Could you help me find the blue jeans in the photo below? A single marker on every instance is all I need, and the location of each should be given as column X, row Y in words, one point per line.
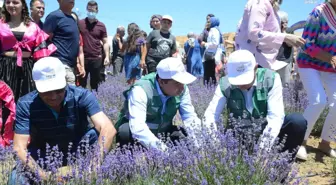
column 17, row 178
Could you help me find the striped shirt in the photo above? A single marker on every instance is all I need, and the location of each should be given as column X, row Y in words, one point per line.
column 320, row 34
column 35, row 118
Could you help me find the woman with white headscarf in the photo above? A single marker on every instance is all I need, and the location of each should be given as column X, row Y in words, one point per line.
column 213, row 51
column 259, row 32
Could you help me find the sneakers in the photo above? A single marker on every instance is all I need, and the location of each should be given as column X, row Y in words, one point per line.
column 109, row 73
column 302, row 153
column 328, row 151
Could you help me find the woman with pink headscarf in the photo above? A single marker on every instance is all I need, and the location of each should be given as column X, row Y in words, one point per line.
column 259, row 32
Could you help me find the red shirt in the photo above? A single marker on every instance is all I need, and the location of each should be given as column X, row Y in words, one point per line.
column 7, row 97
column 93, row 34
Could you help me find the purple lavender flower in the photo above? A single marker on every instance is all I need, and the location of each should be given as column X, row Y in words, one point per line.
column 230, row 156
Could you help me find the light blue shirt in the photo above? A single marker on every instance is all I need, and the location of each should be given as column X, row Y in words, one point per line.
column 137, row 105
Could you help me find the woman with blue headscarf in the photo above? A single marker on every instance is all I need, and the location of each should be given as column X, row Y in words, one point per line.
column 213, row 51
column 192, row 49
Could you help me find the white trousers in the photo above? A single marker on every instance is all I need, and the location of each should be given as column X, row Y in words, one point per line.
column 285, row 74
column 321, row 90
column 70, row 75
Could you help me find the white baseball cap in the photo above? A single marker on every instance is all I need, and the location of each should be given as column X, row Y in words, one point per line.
column 167, row 17
column 49, row 74
column 173, row 68
column 241, row 67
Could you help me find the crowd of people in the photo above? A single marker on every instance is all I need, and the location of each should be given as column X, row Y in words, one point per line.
column 44, row 69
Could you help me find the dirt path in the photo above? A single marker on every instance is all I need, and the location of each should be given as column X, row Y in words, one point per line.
column 317, row 163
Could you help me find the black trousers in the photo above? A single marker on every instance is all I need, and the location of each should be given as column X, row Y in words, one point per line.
column 117, row 64
column 209, row 72
column 94, row 68
column 294, row 129
column 151, row 63
column 124, row 135
column 5, row 114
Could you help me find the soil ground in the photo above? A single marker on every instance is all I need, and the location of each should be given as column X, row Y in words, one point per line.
column 318, row 167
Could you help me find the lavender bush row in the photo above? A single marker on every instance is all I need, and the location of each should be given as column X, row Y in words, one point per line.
column 218, row 159
column 223, row 160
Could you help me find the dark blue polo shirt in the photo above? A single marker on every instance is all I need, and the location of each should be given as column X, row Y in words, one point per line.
column 35, row 118
column 65, row 36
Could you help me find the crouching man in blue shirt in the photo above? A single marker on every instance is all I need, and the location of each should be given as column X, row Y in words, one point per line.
column 56, row 114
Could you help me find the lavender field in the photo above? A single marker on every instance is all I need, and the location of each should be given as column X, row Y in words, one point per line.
column 220, row 159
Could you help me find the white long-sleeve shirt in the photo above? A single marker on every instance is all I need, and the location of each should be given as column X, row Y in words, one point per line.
column 213, row 43
column 275, row 108
column 137, row 105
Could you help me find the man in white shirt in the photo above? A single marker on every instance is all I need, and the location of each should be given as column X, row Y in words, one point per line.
column 151, row 104
column 251, row 92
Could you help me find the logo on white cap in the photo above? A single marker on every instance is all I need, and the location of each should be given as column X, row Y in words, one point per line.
column 50, row 76
column 241, row 68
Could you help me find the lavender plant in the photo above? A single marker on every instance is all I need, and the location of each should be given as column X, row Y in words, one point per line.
column 334, row 170
column 225, row 157
column 7, row 162
column 221, row 158
column 296, row 100
column 110, row 95
column 201, row 96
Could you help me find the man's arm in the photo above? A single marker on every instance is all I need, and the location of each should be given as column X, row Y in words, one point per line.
column 21, row 137
column 174, row 48
column 189, row 116
column 215, row 108
column 143, row 54
column 50, row 25
column 80, row 59
column 20, row 147
column 186, row 109
column 107, row 51
column 137, row 106
column 119, row 41
column 106, row 46
column 275, row 114
column 106, row 131
column 100, row 121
